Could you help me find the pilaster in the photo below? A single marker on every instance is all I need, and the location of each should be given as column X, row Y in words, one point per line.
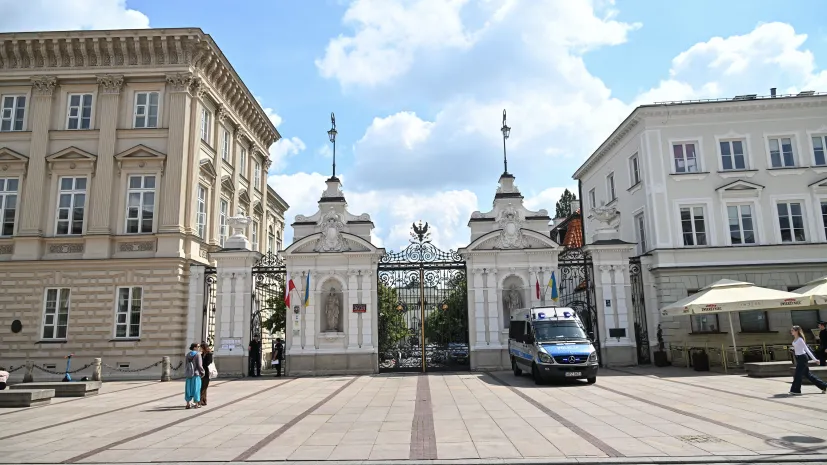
column 477, row 306
column 368, row 293
column 193, row 173
column 352, row 318
column 174, row 198
column 195, row 304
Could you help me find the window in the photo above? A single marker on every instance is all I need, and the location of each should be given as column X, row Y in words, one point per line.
column 146, row 109
column 56, row 313
column 128, row 313
column 201, row 212
column 693, row 226
column 732, row 155
column 242, row 162
column 206, row 116
column 741, row 229
column 634, row 170
column 807, row 319
column 592, row 199
column 781, row 152
column 754, row 321
column 255, row 235
column 517, row 330
column 703, row 323
column 225, row 146
column 686, row 160
column 278, row 240
column 257, row 175
column 271, row 239
column 791, row 222
column 71, row 204
column 140, row 207
column 79, row 111
column 8, row 205
column 13, row 112
column 640, row 226
column 819, row 144
column 824, row 217
column 223, row 208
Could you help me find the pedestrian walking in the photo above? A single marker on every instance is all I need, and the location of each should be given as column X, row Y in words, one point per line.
column 822, row 343
column 4, row 377
column 254, row 349
column 206, row 361
column 278, row 355
column 803, row 355
column 193, row 372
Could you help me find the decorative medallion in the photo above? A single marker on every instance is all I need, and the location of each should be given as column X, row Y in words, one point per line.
column 6, row 249
column 136, row 246
column 331, row 226
column 65, row 248
column 511, row 235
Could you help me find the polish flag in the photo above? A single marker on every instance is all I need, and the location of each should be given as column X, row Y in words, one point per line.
column 290, row 288
column 538, row 288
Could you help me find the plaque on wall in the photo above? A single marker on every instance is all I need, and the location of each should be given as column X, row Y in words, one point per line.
column 360, row 308
column 617, row 332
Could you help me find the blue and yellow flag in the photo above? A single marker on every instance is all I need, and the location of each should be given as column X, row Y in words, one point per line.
column 552, row 283
column 307, row 291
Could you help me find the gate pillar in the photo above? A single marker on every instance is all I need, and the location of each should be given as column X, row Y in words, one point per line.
column 195, row 303
column 613, row 292
column 233, row 301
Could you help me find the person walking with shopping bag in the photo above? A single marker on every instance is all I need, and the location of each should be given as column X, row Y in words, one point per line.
column 193, row 372
column 803, row 356
column 209, row 370
column 278, row 356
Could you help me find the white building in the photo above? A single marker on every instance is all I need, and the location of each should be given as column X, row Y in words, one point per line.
column 731, row 188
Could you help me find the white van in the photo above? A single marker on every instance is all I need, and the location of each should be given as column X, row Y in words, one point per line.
column 551, row 342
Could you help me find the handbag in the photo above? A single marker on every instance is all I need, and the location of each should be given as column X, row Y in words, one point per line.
column 213, row 371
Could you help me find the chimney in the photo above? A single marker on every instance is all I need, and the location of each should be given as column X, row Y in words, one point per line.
column 772, row 92
column 575, row 205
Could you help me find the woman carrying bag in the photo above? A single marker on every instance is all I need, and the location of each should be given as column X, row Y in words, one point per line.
column 193, row 372
column 209, row 371
column 803, row 355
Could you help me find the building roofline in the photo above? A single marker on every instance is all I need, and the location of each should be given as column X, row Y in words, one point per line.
column 278, row 198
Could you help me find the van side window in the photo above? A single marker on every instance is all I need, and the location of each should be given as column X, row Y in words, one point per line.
column 517, row 330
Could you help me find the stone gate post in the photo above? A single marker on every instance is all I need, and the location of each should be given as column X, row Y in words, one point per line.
column 234, row 299
column 195, row 304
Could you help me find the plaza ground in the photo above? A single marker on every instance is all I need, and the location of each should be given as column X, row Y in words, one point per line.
column 631, row 416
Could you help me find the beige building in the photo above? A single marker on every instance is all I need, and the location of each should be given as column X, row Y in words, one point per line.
column 122, row 154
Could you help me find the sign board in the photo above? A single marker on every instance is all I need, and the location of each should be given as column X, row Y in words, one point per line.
column 617, row 332
column 608, row 303
column 230, row 343
column 360, row 308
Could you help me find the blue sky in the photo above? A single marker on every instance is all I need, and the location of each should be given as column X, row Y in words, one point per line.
column 418, row 86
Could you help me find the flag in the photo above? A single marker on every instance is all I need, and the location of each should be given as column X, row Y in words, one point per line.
column 537, row 286
column 290, row 288
column 307, row 291
column 552, row 283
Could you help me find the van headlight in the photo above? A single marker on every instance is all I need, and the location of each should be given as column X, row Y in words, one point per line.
column 593, row 356
column 544, row 357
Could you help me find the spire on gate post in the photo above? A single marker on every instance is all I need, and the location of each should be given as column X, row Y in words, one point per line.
column 506, row 133
column 331, row 134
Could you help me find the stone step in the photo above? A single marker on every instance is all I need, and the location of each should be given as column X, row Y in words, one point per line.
column 768, row 369
column 64, row 389
column 16, row 398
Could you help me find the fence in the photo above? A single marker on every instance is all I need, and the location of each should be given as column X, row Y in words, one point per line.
column 97, row 370
column 724, row 356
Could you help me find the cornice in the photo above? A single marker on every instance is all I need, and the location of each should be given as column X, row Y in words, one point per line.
column 114, row 51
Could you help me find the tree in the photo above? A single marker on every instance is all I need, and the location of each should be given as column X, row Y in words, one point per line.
column 448, row 321
column 393, row 328
column 274, row 310
column 564, row 204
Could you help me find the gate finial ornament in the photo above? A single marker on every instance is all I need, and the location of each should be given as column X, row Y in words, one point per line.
column 420, row 233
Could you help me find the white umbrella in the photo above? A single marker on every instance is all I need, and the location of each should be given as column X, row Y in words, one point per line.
column 816, row 289
column 727, row 296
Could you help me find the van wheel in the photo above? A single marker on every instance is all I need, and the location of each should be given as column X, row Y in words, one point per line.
column 591, row 380
column 517, row 370
column 535, row 373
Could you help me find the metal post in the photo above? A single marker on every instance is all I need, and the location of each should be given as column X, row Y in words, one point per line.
column 165, row 369
column 96, row 370
column 422, row 312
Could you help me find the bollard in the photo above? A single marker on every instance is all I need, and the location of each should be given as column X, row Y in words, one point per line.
column 29, row 376
column 96, row 370
column 165, row 369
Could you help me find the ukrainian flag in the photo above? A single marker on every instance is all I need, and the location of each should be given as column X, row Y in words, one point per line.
column 552, row 283
column 307, row 291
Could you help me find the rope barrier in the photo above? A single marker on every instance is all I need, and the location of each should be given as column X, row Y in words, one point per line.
column 12, row 370
column 45, row 370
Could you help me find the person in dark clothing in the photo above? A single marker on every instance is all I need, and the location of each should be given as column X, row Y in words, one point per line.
column 278, row 355
column 206, row 357
column 255, row 357
column 822, row 343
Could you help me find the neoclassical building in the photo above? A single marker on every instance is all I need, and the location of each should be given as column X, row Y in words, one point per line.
column 122, row 154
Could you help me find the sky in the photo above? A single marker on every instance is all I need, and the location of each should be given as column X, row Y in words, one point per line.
column 418, row 86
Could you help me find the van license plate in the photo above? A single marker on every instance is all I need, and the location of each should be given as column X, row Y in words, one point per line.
column 573, row 374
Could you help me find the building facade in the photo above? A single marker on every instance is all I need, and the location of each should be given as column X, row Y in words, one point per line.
column 733, row 188
column 122, row 155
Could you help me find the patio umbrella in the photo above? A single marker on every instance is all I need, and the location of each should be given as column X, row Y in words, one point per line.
column 816, row 289
column 727, row 296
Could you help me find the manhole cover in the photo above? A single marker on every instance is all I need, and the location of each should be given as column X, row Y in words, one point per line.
column 699, row 439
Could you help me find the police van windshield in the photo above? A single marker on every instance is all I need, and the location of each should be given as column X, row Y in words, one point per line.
column 557, row 331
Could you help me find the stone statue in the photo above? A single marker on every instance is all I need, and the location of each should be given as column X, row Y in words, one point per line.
column 513, row 300
column 332, row 311
column 607, row 216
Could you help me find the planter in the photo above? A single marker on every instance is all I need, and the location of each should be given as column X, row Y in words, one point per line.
column 661, row 359
column 700, row 361
column 753, row 357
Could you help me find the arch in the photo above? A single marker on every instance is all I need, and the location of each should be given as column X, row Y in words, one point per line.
column 528, row 233
column 324, row 278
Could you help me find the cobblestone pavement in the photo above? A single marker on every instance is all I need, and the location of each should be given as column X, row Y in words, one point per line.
column 630, row 416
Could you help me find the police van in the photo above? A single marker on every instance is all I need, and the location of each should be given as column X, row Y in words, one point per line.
column 551, row 342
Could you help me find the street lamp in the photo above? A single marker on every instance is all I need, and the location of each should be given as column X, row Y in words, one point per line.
column 506, row 132
column 331, row 134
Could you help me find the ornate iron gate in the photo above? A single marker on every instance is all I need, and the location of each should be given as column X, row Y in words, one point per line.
column 208, row 317
column 268, row 308
column 423, row 308
column 576, row 289
column 644, row 355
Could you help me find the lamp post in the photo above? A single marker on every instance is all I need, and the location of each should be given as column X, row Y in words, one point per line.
column 506, row 132
column 331, row 134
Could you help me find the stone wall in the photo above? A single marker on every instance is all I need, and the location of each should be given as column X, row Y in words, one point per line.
column 91, row 319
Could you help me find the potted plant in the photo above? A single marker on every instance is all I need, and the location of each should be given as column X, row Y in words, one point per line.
column 661, row 359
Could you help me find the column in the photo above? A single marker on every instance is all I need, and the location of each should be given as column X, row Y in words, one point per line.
column 621, row 280
column 495, row 323
column 194, row 171
column 173, row 196
column 195, row 304
column 352, row 318
column 233, row 308
column 101, row 200
column 368, row 291
column 477, row 308
column 40, row 109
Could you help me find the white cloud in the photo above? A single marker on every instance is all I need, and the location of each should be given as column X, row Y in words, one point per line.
column 548, row 198
column 283, row 149
column 62, row 15
column 325, row 151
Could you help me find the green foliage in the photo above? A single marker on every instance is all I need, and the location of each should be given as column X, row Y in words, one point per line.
column 274, row 311
column 392, row 326
column 448, row 323
column 564, row 204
